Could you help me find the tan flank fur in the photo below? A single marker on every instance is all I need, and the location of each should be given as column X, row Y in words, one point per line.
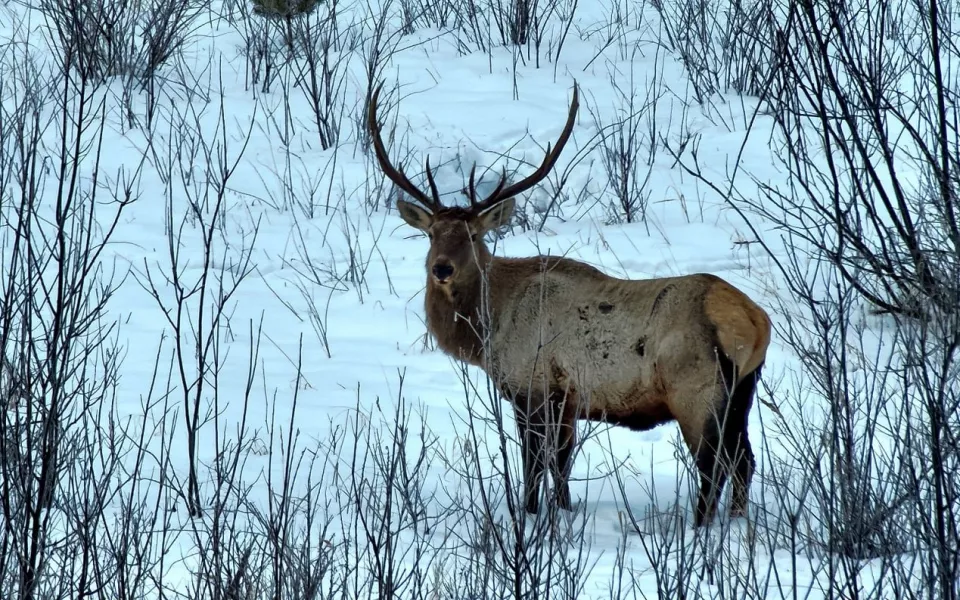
column 564, row 341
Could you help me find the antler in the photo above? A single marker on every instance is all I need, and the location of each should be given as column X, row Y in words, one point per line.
column 393, row 174
column 503, row 191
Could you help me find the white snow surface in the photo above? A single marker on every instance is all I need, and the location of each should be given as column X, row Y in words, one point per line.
column 306, row 223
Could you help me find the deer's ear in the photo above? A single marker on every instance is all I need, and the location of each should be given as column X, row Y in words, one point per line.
column 496, row 216
column 414, row 215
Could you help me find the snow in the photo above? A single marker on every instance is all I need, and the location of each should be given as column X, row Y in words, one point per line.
column 329, row 281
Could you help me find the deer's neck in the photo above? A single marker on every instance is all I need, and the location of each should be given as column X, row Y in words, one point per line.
column 458, row 316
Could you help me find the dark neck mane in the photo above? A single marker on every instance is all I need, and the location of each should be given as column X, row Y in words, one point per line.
column 453, row 317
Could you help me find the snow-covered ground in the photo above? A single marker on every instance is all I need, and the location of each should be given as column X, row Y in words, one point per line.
column 312, row 309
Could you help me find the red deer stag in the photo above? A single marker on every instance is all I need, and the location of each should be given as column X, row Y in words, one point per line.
column 564, row 341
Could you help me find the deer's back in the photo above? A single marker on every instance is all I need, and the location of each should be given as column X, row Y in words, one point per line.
column 620, row 343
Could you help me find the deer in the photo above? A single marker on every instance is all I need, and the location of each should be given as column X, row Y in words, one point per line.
column 562, row 341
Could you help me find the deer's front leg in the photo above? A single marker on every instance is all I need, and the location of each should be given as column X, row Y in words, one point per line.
column 562, row 430
column 531, row 431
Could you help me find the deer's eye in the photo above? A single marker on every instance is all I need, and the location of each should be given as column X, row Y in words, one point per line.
column 473, row 237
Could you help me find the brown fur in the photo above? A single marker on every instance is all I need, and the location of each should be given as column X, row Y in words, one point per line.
column 636, row 353
column 564, row 341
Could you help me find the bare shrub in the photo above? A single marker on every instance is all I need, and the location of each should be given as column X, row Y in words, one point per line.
column 439, row 14
column 723, row 46
column 536, row 28
column 623, row 144
column 65, row 451
column 866, row 131
column 196, row 302
column 327, row 46
column 99, row 39
column 284, row 9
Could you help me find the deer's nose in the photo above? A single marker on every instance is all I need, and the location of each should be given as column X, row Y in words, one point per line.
column 442, row 271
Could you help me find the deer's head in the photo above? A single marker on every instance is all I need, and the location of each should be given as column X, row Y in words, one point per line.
column 456, row 233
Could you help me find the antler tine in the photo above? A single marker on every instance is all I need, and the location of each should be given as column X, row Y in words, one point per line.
column 471, row 185
column 393, row 174
column 549, row 161
column 500, row 184
column 495, row 194
column 433, row 186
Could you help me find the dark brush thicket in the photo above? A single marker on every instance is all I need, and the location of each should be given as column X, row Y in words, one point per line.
column 858, row 101
column 862, row 98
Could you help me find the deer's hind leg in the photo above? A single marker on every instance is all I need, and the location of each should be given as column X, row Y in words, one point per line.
column 715, row 429
column 700, row 425
column 737, row 443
